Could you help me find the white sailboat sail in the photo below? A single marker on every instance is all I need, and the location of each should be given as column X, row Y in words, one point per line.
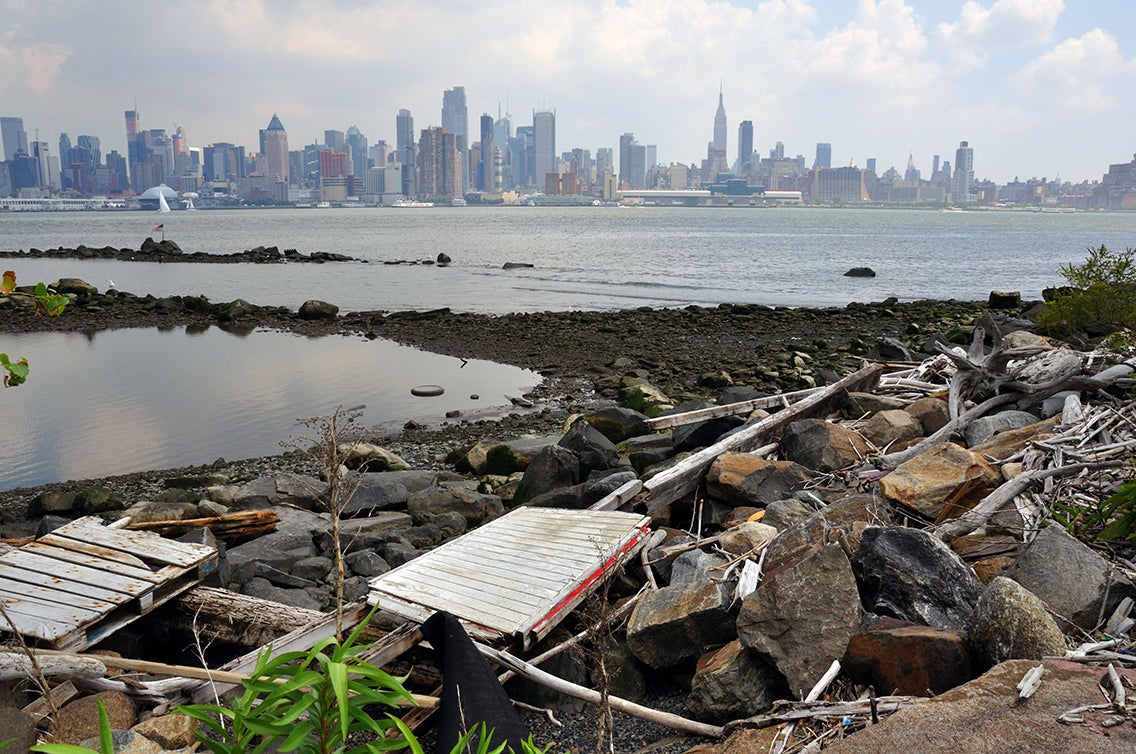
column 163, row 205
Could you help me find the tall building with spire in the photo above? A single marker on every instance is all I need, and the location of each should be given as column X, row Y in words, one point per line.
column 719, row 143
column 274, row 147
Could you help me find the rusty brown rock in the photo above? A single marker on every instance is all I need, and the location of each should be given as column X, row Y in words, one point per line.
column 932, row 413
column 910, row 660
column 822, row 445
column 948, row 474
column 746, row 479
column 891, row 427
column 1005, row 444
column 79, row 720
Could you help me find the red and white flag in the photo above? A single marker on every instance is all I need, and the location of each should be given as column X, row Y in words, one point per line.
column 159, row 229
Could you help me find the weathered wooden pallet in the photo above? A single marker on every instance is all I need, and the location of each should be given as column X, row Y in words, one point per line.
column 73, row 587
column 519, row 575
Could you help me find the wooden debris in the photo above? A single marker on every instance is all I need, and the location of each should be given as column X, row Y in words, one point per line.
column 17, row 665
column 231, row 527
column 1030, row 683
column 218, row 614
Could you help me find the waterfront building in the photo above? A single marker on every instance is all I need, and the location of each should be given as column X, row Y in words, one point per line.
column 274, row 147
column 486, row 180
column 962, row 182
column 625, row 142
column 404, row 150
column 335, row 184
column 1117, row 189
column 823, row 155
column 455, row 119
column 870, row 165
column 844, row 184
column 502, row 136
column 544, row 143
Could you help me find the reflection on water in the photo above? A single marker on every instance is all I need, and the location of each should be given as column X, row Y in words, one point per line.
column 113, row 402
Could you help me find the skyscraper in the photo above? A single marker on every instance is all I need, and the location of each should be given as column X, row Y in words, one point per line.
column 745, row 147
column 274, row 143
column 439, row 164
column 14, row 137
column 486, row 178
column 720, row 124
column 625, row 142
column 962, row 182
column 335, row 140
column 823, row 155
column 455, row 119
column 66, row 180
column 404, row 150
column 544, row 144
column 357, row 152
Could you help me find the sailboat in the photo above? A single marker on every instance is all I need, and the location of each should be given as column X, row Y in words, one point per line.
column 163, row 205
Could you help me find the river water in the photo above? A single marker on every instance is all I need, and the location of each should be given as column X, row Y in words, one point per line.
column 132, row 400
column 583, row 258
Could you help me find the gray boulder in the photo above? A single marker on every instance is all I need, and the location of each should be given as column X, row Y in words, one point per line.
column 282, row 489
column 554, row 466
column 730, row 683
column 617, row 423
column 1069, row 577
column 475, row 507
column 316, row 309
column 503, row 457
column 1010, row 623
column 891, row 426
column 822, row 445
column 672, row 626
column 594, row 450
column 802, row 636
column 983, row 428
column 911, row 575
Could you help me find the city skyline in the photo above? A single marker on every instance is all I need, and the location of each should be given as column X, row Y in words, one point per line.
column 1036, row 86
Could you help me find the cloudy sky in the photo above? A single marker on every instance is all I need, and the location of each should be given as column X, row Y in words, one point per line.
column 1038, row 87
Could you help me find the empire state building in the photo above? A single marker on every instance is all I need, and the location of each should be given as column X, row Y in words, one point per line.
column 716, row 161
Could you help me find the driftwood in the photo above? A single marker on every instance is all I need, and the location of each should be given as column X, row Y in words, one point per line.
column 16, row 665
column 229, row 527
column 949, row 531
column 957, row 424
column 43, row 707
column 825, row 681
column 781, row 400
column 684, row 478
column 535, row 674
column 789, row 712
column 218, row 614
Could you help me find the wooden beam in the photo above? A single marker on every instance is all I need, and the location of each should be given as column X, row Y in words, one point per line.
column 237, row 618
column 684, row 478
column 781, row 400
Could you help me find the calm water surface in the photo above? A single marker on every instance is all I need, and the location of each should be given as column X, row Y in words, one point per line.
column 131, row 400
column 584, row 258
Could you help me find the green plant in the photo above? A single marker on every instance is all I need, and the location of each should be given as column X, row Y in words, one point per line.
column 48, row 303
column 306, row 701
column 1102, row 297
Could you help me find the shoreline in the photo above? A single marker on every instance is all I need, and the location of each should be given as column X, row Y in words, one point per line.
column 691, row 353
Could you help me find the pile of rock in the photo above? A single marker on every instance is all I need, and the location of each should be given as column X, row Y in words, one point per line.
column 167, row 251
column 841, row 541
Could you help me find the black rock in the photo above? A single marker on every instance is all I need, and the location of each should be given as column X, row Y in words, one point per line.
column 860, row 272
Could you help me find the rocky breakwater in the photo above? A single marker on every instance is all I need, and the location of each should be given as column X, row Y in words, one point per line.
column 168, row 251
column 906, row 532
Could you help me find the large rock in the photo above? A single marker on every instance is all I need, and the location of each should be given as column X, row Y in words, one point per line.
column 370, row 457
column 316, row 309
column 282, row 489
column 801, row 619
column 593, row 449
column 909, row 574
column 1069, row 577
column 672, row 626
column 982, row 716
column 933, row 413
column 729, row 684
column 985, row 427
column 169, row 731
column 617, row 423
column 1008, row 442
column 503, row 457
column 910, row 660
column 18, row 726
column 747, row 479
column 746, row 537
column 386, row 490
column 552, row 467
column 475, row 506
column 79, row 720
column 822, row 445
column 1011, row 623
column 294, row 539
column 705, row 433
column 891, row 427
column 945, row 473
column 840, row 521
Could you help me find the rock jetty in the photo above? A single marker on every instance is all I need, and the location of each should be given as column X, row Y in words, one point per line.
column 168, row 251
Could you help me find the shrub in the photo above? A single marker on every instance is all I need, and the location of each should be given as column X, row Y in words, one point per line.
column 1101, row 300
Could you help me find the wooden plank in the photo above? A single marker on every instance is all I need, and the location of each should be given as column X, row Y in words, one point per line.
column 92, row 561
column 619, row 497
column 683, row 478
column 21, row 576
column 40, row 709
column 145, row 545
column 37, row 627
column 30, row 593
column 104, row 553
column 781, row 400
column 53, row 611
column 73, row 572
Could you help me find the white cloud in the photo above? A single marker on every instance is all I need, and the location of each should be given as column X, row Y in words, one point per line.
column 1006, row 23
column 1077, row 73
